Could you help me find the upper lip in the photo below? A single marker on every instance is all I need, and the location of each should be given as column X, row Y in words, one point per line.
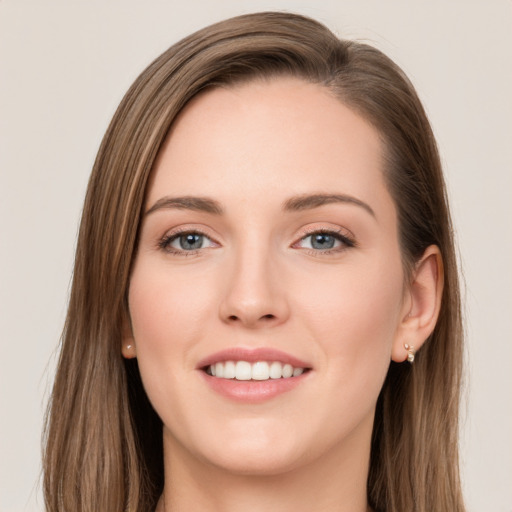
column 252, row 356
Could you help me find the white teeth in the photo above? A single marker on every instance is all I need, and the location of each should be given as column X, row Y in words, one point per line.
column 276, row 370
column 229, row 370
column 297, row 371
column 243, row 370
column 287, row 371
column 260, row 370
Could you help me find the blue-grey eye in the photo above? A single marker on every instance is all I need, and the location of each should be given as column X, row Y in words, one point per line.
column 322, row 241
column 187, row 242
column 190, row 241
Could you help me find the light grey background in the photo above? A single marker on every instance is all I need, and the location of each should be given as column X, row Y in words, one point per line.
column 64, row 66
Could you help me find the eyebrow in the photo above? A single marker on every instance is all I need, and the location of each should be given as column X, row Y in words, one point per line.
column 200, row 204
column 309, row 201
column 297, row 203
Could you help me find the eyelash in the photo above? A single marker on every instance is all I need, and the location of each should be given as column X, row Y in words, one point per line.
column 346, row 241
column 165, row 243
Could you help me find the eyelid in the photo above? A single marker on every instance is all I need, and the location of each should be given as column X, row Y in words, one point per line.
column 163, row 243
column 343, row 235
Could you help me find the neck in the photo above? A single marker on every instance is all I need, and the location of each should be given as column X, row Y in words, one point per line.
column 336, row 482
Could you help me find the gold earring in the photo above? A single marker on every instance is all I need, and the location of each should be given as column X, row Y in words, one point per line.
column 410, row 353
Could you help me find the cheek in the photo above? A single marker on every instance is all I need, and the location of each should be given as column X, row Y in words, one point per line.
column 355, row 320
column 168, row 313
column 167, row 307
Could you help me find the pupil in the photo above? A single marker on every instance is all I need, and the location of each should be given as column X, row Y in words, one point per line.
column 322, row 241
column 191, row 241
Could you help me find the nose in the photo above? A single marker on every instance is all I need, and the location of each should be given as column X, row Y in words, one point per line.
column 255, row 293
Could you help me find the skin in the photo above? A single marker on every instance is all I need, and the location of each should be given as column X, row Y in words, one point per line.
column 258, row 282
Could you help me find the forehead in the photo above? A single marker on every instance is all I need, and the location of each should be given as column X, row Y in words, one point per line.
column 264, row 137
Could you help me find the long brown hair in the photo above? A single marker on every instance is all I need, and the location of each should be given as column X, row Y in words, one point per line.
column 103, row 440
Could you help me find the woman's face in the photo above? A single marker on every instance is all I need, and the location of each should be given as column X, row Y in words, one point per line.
column 269, row 244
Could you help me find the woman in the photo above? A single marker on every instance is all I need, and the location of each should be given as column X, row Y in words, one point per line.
column 265, row 248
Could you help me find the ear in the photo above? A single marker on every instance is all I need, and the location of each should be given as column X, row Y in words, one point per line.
column 422, row 303
column 127, row 340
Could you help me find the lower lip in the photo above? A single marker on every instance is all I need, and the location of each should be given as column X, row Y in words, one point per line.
column 253, row 391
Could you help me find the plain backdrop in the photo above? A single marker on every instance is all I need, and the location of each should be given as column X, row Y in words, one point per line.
column 64, row 66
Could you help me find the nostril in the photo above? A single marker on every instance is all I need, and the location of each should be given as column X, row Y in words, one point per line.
column 269, row 316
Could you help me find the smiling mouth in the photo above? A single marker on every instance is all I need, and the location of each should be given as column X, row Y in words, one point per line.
column 258, row 371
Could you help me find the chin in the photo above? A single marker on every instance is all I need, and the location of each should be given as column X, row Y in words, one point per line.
column 256, row 450
column 268, row 462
